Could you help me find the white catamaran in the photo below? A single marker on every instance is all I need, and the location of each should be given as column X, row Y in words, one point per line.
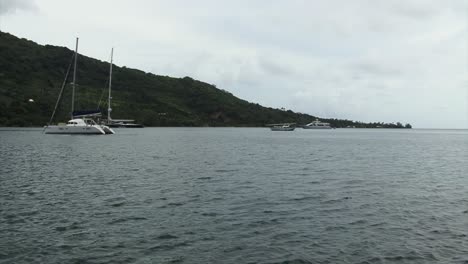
column 81, row 121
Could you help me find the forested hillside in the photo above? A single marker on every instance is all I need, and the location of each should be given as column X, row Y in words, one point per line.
column 32, row 71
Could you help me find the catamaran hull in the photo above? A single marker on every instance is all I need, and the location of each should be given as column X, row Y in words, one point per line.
column 316, row 127
column 74, row 130
column 107, row 130
column 282, row 128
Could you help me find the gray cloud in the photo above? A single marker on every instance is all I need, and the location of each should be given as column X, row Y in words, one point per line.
column 11, row 6
column 376, row 69
column 273, row 68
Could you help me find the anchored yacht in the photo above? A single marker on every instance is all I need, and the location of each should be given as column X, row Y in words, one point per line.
column 120, row 123
column 76, row 126
column 80, row 122
column 317, row 125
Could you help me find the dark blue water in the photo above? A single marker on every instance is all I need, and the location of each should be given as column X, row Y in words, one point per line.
column 234, row 195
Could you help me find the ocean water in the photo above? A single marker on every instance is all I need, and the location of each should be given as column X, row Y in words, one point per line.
column 234, row 195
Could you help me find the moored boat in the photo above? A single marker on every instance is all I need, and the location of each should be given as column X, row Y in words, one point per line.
column 282, row 127
column 119, row 123
column 76, row 126
column 124, row 123
column 317, row 124
column 81, row 121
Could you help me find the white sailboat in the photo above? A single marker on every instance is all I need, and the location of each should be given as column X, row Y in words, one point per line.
column 79, row 123
column 105, row 127
column 121, row 123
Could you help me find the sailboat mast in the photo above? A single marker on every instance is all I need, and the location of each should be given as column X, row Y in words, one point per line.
column 74, row 80
column 109, row 109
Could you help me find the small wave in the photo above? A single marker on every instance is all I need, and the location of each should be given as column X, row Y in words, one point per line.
column 117, row 204
column 29, row 213
column 32, row 192
column 332, row 228
column 232, row 249
column 166, row 236
column 10, row 216
column 331, row 210
column 72, row 226
column 173, row 204
column 209, row 214
column 400, row 258
column 359, row 222
column 338, row 199
column 372, row 260
column 294, row 261
column 65, row 246
column 115, row 201
column 377, row 224
column 263, row 222
column 126, row 219
column 168, row 246
column 305, row 198
column 176, row 260
column 283, row 236
column 225, row 170
column 353, row 182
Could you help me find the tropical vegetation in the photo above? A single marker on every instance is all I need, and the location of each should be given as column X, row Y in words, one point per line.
column 31, row 76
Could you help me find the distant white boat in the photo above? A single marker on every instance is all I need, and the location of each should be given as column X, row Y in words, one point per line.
column 282, row 127
column 317, row 125
column 80, row 122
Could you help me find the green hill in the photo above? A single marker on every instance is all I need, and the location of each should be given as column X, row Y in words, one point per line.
column 32, row 71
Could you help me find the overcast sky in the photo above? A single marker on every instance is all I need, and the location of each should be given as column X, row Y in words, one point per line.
column 367, row 60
